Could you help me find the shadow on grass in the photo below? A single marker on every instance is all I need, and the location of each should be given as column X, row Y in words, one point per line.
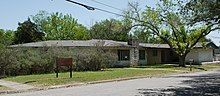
column 200, row 68
column 29, row 82
column 206, row 85
column 172, row 66
column 159, row 66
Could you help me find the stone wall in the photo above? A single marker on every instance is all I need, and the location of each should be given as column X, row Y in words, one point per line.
column 134, row 56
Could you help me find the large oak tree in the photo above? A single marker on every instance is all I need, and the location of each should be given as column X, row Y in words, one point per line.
column 206, row 11
column 168, row 23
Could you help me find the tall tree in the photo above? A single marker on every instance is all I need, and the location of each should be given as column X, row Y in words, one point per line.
column 28, row 32
column 144, row 36
column 60, row 27
column 1, row 37
column 111, row 29
column 6, row 37
column 207, row 11
column 167, row 22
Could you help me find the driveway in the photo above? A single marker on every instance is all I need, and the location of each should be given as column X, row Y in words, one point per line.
column 201, row 83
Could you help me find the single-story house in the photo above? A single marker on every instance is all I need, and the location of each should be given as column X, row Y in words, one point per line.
column 133, row 52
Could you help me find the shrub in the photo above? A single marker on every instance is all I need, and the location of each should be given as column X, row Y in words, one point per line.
column 33, row 61
column 93, row 59
column 24, row 61
column 56, row 52
column 7, row 61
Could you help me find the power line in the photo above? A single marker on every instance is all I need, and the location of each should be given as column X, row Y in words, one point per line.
column 107, row 5
column 86, row 6
column 95, row 8
column 215, row 37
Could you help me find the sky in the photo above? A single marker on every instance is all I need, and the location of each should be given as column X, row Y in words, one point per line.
column 14, row 11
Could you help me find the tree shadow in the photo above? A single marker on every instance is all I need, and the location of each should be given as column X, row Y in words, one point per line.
column 29, row 82
column 158, row 66
column 205, row 85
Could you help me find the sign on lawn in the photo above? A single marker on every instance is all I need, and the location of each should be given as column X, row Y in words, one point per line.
column 64, row 62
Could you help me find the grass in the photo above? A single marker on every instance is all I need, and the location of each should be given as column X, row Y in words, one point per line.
column 83, row 77
column 209, row 66
column 114, row 73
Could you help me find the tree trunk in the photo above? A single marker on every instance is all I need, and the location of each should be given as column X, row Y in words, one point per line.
column 182, row 61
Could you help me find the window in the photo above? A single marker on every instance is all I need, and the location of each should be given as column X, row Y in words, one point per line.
column 123, row 55
column 154, row 52
column 141, row 54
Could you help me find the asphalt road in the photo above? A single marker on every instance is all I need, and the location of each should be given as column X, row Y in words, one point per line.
column 201, row 83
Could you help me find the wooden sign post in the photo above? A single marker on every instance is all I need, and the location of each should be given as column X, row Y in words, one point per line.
column 64, row 62
column 190, row 62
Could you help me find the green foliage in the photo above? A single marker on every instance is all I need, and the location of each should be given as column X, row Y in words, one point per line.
column 28, row 32
column 167, row 22
column 111, row 30
column 145, row 36
column 7, row 61
column 93, row 59
column 6, row 37
column 23, row 61
column 32, row 61
column 203, row 11
column 60, row 27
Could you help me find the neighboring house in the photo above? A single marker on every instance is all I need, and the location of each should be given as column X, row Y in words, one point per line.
column 217, row 54
column 132, row 52
column 202, row 52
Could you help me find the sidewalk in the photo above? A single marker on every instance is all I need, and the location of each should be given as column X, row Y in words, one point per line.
column 15, row 86
column 214, row 62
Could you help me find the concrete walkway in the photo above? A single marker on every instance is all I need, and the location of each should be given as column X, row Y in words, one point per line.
column 15, row 86
column 214, row 62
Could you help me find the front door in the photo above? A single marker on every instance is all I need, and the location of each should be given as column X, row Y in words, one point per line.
column 163, row 56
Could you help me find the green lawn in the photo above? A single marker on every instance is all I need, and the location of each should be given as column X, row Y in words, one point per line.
column 209, row 66
column 114, row 73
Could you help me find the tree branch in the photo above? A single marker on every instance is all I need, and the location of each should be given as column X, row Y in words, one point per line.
column 204, row 33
